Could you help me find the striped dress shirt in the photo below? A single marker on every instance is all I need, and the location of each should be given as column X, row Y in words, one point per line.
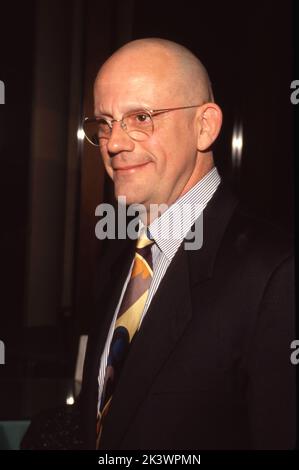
column 168, row 231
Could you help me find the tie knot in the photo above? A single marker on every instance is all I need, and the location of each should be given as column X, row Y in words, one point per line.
column 144, row 240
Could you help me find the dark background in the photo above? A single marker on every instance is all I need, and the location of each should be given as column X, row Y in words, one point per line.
column 50, row 52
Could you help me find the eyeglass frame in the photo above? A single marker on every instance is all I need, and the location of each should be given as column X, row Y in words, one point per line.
column 151, row 112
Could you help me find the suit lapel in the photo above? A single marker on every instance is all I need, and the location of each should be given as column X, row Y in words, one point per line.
column 216, row 218
column 112, row 281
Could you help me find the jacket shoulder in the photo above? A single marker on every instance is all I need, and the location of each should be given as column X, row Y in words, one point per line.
column 258, row 237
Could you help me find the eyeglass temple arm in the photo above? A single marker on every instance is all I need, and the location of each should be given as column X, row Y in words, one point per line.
column 158, row 111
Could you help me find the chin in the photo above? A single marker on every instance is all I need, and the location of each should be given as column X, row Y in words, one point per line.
column 132, row 196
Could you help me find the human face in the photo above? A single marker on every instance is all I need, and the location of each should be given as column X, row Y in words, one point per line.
column 159, row 169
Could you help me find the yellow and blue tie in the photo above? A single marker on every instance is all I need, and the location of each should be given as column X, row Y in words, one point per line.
column 127, row 323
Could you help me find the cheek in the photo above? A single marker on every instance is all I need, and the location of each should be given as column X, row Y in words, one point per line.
column 169, row 144
column 161, row 152
column 168, row 156
column 106, row 160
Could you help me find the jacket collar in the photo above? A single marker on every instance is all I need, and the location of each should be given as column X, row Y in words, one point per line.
column 215, row 220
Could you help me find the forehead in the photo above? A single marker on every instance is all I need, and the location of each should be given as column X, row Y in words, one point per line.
column 125, row 93
column 124, row 87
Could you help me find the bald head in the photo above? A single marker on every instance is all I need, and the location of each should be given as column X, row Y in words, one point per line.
column 175, row 68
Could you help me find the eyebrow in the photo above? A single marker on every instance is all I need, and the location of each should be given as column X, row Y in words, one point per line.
column 130, row 109
column 97, row 114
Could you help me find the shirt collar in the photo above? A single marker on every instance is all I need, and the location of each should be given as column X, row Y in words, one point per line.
column 170, row 229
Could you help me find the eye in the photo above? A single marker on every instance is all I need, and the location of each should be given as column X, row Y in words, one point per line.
column 138, row 125
column 103, row 127
column 142, row 118
column 102, row 122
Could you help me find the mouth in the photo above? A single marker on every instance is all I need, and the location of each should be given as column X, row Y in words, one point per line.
column 130, row 168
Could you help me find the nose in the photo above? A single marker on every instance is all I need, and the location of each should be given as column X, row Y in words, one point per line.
column 119, row 141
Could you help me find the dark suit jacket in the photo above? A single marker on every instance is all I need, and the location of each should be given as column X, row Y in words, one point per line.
column 210, row 367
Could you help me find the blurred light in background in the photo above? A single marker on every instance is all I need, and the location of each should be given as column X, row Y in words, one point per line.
column 70, row 400
column 80, row 134
column 237, row 145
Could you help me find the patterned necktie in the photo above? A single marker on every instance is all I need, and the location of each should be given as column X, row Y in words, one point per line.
column 127, row 323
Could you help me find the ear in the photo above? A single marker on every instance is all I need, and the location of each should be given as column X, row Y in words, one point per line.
column 209, row 121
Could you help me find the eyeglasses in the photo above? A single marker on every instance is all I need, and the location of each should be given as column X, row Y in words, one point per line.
column 137, row 124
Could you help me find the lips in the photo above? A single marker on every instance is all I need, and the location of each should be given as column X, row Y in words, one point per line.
column 129, row 167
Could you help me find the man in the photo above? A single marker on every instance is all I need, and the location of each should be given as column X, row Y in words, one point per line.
column 207, row 364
